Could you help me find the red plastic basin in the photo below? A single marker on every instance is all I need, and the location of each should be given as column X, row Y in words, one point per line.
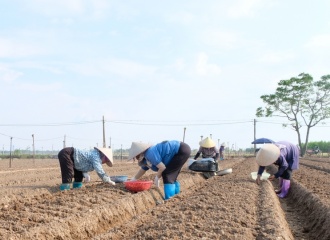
column 138, row 186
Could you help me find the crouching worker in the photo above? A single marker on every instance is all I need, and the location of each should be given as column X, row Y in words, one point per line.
column 208, row 150
column 166, row 158
column 283, row 154
column 76, row 163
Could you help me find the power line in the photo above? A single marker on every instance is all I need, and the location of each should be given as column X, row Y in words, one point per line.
column 135, row 122
column 271, row 122
column 26, row 139
column 47, row 124
column 144, row 123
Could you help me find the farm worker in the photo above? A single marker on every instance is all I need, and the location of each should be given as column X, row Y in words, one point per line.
column 222, row 149
column 166, row 158
column 75, row 163
column 207, row 149
column 283, row 154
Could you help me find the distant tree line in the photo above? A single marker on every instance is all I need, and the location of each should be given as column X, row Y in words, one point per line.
column 323, row 146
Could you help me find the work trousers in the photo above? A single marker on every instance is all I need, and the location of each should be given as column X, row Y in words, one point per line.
column 68, row 171
column 173, row 169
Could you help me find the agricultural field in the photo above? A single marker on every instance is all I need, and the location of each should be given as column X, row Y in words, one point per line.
column 232, row 206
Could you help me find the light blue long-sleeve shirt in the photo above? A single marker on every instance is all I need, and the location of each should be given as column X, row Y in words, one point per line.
column 87, row 161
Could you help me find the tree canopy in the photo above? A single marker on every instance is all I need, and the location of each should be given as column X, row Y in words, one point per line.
column 303, row 101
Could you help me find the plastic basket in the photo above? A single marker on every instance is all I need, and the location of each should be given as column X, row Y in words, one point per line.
column 138, row 186
column 118, row 179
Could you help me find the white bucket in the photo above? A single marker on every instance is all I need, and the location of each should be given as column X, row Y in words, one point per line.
column 264, row 175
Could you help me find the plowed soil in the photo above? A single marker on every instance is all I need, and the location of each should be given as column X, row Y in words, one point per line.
column 232, row 206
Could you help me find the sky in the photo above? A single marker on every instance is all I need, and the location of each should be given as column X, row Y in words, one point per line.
column 153, row 70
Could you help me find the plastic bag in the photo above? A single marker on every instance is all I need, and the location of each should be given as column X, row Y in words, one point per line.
column 206, row 165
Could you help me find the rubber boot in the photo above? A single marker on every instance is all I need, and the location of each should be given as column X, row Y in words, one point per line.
column 285, row 188
column 177, row 187
column 169, row 190
column 65, row 186
column 77, row 184
column 280, row 182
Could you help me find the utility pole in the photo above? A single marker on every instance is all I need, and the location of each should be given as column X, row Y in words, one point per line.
column 201, row 137
column 184, row 133
column 11, row 141
column 121, row 151
column 64, row 143
column 255, row 130
column 104, row 145
column 33, row 148
column 211, row 135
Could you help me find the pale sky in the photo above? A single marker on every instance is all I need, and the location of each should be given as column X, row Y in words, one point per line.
column 152, row 68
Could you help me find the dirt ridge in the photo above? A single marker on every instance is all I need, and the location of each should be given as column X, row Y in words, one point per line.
column 315, row 213
column 316, row 167
column 271, row 214
column 106, row 216
column 225, row 207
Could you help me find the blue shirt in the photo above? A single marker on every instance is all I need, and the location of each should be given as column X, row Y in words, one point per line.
column 288, row 159
column 87, row 161
column 161, row 152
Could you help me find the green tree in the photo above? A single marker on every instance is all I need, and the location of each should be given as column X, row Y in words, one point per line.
column 303, row 101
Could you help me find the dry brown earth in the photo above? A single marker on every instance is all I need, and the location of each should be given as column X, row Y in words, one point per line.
column 223, row 207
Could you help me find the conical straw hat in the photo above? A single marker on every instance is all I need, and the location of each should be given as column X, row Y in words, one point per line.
column 137, row 148
column 267, row 154
column 223, row 144
column 108, row 153
column 207, row 143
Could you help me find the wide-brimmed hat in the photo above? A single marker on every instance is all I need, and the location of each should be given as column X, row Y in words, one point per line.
column 207, row 143
column 137, row 148
column 108, row 153
column 223, row 144
column 267, row 154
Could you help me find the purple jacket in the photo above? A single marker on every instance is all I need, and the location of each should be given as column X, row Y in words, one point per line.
column 222, row 148
column 289, row 158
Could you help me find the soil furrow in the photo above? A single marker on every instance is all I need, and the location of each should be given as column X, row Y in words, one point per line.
column 307, row 216
column 327, row 170
column 232, row 206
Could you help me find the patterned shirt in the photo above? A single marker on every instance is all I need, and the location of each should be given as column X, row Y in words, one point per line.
column 87, row 161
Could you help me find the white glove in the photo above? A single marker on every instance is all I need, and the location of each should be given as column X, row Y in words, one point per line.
column 108, row 180
column 156, row 181
column 112, row 183
column 87, row 177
